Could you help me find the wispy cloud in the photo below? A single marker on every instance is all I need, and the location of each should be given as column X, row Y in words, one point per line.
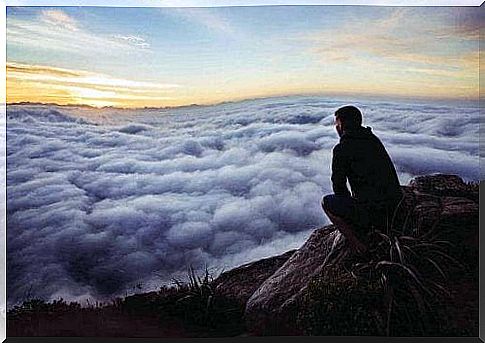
column 467, row 23
column 55, row 30
column 396, row 39
column 60, row 19
column 134, row 40
column 206, row 18
column 46, row 73
column 81, row 86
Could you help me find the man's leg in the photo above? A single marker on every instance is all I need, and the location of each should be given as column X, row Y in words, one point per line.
column 332, row 205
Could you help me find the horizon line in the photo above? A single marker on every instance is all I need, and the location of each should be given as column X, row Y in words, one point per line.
column 307, row 94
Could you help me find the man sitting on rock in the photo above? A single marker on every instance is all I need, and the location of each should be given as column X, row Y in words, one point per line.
column 361, row 159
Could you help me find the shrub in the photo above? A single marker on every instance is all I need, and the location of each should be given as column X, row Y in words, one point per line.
column 400, row 288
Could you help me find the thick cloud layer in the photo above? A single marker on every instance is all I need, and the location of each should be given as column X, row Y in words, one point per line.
column 100, row 200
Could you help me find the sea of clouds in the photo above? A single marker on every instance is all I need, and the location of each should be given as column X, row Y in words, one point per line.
column 100, row 200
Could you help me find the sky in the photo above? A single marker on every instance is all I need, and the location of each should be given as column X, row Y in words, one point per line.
column 138, row 57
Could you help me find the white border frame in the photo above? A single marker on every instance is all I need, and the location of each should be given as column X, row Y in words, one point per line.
column 145, row 3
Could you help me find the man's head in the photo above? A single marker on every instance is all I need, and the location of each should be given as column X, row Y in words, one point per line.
column 347, row 118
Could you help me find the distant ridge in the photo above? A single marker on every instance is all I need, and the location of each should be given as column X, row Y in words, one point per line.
column 28, row 103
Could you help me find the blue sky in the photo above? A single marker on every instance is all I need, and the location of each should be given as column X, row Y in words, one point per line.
column 133, row 57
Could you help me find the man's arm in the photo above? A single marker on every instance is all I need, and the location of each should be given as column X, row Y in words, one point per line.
column 340, row 169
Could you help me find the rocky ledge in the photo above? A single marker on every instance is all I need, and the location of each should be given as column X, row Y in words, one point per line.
column 315, row 289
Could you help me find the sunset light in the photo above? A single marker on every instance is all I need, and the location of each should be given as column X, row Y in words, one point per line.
column 171, row 57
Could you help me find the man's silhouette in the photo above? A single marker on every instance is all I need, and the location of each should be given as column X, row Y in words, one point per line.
column 361, row 159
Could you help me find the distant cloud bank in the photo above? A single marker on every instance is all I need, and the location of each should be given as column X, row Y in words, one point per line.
column 99, row 200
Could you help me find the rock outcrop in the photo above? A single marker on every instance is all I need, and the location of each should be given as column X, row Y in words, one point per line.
column 434, row 205
column 272, row 305
column 241, row 282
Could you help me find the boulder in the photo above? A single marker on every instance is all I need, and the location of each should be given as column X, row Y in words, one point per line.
column 445, row 185
column 241, row 282
column 270, row 310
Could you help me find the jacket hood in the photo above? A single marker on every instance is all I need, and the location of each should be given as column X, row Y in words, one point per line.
column 358, row 133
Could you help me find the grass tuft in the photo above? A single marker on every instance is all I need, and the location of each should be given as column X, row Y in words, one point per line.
column 400, row 288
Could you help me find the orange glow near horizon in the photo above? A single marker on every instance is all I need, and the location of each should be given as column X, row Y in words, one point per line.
column 45, row 84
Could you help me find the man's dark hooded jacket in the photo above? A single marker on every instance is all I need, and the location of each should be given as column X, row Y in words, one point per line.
column 361, row 158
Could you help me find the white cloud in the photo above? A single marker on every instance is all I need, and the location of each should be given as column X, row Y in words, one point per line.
column 99, row 200
column 215, row 20
column 88, row 85
column 60, row 19
column 134, row 40
column 208, row 18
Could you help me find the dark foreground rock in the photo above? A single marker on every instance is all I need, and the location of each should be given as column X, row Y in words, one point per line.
column 437, row 206
column 241, row 282
column 271, row 307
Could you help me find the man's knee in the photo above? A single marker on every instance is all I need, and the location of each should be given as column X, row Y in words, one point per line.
column 338, row 206
column 327, row 201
